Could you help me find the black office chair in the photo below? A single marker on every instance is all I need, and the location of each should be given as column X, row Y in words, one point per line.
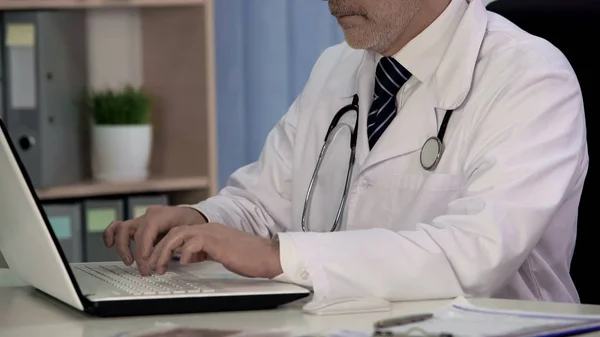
column 574, row 27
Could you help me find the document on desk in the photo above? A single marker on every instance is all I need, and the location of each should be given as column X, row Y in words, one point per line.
column 463, row 319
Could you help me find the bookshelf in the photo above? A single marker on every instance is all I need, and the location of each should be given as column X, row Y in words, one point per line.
column 177, row 66
column 184, row 154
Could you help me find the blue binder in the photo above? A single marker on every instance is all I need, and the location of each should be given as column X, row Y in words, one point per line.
column 65, row 220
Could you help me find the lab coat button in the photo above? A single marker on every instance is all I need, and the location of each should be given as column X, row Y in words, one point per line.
column 363, row 184
column 304, row 275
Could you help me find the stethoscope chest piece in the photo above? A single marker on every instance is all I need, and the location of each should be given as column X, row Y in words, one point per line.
column 432, row 150
column 431, row 153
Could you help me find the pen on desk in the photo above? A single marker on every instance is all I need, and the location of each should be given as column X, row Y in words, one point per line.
column 398, row 321
column 409, row 334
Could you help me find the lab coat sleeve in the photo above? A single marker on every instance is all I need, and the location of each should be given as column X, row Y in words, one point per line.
column 524, row 158
column 256, row 198
column 294, row 267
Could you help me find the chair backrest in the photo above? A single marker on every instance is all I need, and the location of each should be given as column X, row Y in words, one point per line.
column 573, row 26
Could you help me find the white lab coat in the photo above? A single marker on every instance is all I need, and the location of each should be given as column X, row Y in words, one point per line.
column 497, row 218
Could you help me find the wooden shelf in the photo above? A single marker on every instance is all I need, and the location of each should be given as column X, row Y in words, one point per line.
column 98, row 189
column 67, row 4
column 184, row 152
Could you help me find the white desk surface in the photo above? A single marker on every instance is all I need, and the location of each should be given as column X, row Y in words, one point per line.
column 25, row 312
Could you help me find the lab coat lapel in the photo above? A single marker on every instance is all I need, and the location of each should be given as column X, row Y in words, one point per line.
column 341, row 88
column 452, row 80
column 413, row 125
column 338, row 92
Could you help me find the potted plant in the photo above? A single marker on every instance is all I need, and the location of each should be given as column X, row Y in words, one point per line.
column 121, row 134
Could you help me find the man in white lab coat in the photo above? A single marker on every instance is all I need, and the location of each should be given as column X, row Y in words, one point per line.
column 496, row 217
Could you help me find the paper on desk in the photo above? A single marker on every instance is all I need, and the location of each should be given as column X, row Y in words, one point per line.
column 462, row 318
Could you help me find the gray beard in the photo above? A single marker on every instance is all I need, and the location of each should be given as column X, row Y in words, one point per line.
column 384, row 26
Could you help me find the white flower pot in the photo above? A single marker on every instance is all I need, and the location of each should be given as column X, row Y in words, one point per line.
column 121, row 153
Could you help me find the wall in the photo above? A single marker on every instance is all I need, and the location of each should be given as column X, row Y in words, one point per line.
column 123, row 64
column 265, row 51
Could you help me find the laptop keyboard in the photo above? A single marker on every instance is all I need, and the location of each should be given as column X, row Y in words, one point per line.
column 129, row 280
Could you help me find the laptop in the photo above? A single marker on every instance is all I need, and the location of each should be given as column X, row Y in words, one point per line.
column 110, row 289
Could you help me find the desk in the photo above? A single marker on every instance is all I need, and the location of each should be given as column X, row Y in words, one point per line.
column 25, row 312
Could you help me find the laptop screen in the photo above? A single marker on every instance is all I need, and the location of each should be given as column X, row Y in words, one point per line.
column 27, row 241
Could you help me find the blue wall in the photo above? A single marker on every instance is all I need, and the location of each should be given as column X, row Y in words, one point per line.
column 265, row 50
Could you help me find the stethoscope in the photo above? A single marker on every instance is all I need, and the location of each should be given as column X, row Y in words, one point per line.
column 431, row 154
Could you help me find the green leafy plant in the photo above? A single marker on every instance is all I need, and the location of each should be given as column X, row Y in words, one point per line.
column 129, row 106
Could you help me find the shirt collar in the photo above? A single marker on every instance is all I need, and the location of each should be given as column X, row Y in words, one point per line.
column 423, row 54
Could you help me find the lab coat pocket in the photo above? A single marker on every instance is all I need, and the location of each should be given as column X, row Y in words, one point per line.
column 421, row 197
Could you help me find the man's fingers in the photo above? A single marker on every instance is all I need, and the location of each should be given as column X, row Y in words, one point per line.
column 153, row 259
column 145, row 239
column 123, row 240
column 174, row 240
column 109, row 233
column 193, row 251
column 143, row 244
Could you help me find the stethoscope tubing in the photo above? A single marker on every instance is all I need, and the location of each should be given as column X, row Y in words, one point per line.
column 353, row 138
column 354, row 106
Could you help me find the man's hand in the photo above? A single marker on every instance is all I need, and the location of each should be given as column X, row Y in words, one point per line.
column 242, row 253
column 145, row 230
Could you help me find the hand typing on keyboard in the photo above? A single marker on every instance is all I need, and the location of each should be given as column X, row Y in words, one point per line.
column 242, row 253
column 185, row 231
column 146, row 230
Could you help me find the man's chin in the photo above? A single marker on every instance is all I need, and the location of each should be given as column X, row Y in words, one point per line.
column 355, row 38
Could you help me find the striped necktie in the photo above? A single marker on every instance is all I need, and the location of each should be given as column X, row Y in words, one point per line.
column 390, row 76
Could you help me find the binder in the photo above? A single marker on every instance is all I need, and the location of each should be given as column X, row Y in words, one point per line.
column 65, row 221
column 137, row 205
column 98, row 214
column 43, row 55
